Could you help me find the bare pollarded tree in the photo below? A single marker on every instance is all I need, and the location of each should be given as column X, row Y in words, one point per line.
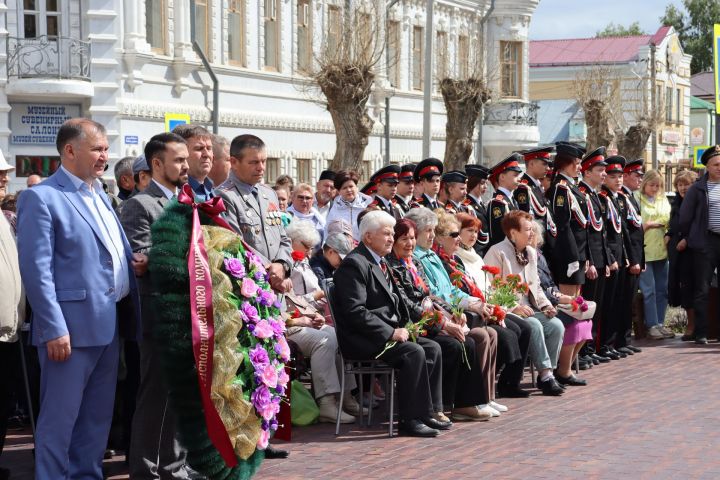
column 345, row 71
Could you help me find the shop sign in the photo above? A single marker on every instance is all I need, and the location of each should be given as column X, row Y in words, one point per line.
column 38, row 124
column 670, row 137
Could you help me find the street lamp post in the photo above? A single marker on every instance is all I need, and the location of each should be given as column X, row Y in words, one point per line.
column 428, row 83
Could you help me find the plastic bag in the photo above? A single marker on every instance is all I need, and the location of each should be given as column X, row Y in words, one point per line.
column 303, row 409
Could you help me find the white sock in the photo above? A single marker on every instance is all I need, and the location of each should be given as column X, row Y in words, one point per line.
column 546, row 376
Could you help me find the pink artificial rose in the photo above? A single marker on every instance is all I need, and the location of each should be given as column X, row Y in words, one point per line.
column 262, row 442
column 248, row 288
column 263, row 330
column 283, row 349
column 268, row 375
column 283, row 378
column 269, row 410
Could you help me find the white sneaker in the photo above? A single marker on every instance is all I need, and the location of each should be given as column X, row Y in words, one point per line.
column 655, row 333
column 497, row 406
column 352, row 407
column 329, row 410
column 487, row 409
column 666, row 331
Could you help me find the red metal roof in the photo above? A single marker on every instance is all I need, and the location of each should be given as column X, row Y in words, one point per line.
column 583, row 51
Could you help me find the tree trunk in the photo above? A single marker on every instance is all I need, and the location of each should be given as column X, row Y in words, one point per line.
column 597, row 119
column 463, row 102
column 347, row 89
column 632, row 143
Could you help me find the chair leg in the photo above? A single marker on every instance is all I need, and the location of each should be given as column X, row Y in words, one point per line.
column 577, row 364
column 361, row 377
column 532, row 375
column 392, row 401
column 372, row 398
column 342, row 396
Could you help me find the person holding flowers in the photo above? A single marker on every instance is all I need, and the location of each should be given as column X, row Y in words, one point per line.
column 513, row 338
column 516, row 258
column 468, row 355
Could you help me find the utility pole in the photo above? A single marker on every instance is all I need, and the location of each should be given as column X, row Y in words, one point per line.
column 653, row 101
column 427, row 81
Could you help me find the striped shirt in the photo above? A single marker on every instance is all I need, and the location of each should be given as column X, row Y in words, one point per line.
column 714, row 206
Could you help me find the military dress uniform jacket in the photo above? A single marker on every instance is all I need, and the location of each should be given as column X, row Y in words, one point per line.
column 530, row 198
column 257, row 219
column 390, row 207
column 425, row 201
column 635, row 237
column 597, row 235
column 455, row 208
column 402, row 204
column 499, row 206
column 477, row 207
column 613, row 211
column 569, row 210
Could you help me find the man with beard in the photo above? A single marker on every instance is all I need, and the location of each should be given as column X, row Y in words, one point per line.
column 200, row 159
column 324, row 192
column 154, row 449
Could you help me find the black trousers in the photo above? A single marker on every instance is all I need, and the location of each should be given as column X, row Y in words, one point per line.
column 10, row 360
column 608, row 321
column 594, row 291
column 704, row 262
column 461, row 386
column 419, row 377
column 623, row 330
column 513, row 346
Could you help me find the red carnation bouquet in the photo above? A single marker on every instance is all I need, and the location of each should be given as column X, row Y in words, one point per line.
column 504, row 292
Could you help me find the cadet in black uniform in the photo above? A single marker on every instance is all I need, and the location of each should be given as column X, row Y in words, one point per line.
column 406, row 187
column 613, row 206
column 477, row 186
column 569, row 210
column 428, row 173
column 455, row 185
column 386, row 182
column 504, row 177
column 530, row 195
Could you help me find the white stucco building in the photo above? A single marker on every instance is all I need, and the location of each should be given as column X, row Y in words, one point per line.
column 129, row 63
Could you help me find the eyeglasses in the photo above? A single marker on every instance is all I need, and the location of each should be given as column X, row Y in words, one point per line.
column 453, row 234
column 306, row 199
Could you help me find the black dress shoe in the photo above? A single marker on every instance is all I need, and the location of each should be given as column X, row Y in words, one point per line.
column 572, row 380
column 550, row 387
column 437, row 424
column 634, row 348
column 619, row 353
column 626, row 351
column 507, row 391
column 687, row 337
column 416, row 428
column 609, row 354
column 589, row 359
column 600, row 358
column 271, row 453
column 585, row 365
column 109, row 453
column 701, row 340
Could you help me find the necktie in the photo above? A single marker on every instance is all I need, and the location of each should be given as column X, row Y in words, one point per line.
column 384, row 268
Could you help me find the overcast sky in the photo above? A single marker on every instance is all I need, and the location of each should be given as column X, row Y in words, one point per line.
column 584, row 18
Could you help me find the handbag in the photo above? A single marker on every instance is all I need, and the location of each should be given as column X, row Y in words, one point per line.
column 303, row 409
column 578, row 314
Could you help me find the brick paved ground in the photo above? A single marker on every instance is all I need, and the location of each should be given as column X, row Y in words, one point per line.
column 653, row 415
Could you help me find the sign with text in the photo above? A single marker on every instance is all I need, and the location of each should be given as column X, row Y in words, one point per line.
column 172, row 120
column 670, row 137
column 131, row 140
column 38, row 124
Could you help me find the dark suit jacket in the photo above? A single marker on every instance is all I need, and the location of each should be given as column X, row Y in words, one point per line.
column 367, row 309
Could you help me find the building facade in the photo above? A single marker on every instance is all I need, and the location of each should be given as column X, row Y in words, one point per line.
column 556, row 64
column 127, row 64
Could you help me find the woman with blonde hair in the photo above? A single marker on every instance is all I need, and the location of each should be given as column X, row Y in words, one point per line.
column 655, row 214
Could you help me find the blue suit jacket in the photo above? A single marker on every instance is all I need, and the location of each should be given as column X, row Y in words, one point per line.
column 66, row 268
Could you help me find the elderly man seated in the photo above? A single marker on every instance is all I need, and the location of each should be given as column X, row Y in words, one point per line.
column 371, row 311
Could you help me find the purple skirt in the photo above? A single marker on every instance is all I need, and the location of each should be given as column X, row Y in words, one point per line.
column 577, row 331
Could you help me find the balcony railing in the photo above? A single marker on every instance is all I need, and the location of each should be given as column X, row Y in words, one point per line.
column 48, row 57
column 519, row 113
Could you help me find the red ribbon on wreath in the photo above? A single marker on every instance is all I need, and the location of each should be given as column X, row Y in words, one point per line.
column 201, row 316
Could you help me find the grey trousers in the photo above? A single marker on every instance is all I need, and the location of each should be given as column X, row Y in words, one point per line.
column 545, row 340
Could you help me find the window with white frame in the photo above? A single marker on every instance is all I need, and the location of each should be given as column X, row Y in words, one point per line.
column 155, row 24
column 304, row 36
column 40, row 18
column 272, row 34
column 334, row 29
column 393, row 46
column 678, row 106
column 668, row 104
column 236, row 33
column 511, row 68
column 417, row 57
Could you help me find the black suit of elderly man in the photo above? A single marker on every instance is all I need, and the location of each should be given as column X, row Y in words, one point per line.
column 371, row 311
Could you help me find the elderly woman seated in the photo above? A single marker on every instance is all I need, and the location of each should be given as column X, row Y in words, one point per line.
column 512, row 339
column 307, row 328
column 328, row 258
column 514, row 255
column 302, row 208
column 469, row 375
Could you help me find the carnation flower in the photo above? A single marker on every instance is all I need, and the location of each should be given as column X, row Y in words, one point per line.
column 492, row 270
column 297, row 255
column 263, row 329
column 259, row 356
column 235, row 267
column 248, row 288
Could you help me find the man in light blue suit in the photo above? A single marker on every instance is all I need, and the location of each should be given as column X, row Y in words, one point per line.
column 77, row 268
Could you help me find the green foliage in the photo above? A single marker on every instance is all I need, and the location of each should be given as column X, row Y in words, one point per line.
column 694, row 25
column 613, row 30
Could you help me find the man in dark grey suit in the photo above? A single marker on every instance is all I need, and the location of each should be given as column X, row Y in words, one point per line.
column 154, row 451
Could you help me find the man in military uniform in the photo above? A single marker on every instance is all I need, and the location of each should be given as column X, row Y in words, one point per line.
column 406, row 187
column 634, row 240
column 369, row 189
column 252, row 209
column 427, row 174
column 530, row 195
column 386, row 181
column 455, row 185
column 477, row 186
column 504, row 177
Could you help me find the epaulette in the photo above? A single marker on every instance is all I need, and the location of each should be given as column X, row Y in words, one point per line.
column 604, row 193
column 523, row 181
column 374, row 203
column 499, row 197
column 582, row 188
column 467, row 202
column 563, row 183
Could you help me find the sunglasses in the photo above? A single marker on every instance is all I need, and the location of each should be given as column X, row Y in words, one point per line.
column 453, row 234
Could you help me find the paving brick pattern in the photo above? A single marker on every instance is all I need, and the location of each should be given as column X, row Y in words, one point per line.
column 654, row 415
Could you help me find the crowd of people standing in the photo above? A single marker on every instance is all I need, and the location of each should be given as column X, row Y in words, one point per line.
column 580, row 232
